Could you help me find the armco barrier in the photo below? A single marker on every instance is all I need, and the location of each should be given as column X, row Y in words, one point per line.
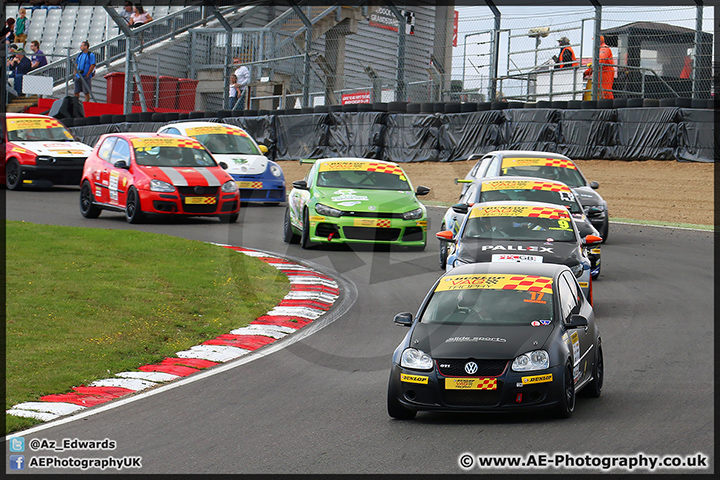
column 657, row 133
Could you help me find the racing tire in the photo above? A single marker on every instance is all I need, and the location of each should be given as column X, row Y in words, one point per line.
column 395, row 408
column 305, row 237
column 566, row 405
column 133, row 210
column 594, row 388
column 231, row 218
column 13, row 175
column 443, row 251
column 288, row 235
column 88, row 209
column 605, row 230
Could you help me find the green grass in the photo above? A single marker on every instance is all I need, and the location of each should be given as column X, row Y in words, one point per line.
column 84, row 304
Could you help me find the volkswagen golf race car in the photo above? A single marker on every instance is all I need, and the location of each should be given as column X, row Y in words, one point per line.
column 40, row 151
column 259, row 179
column 356, row 200
column 526, row 232
column 532, row 189
column 551, row 166
column 151, row 173
column 497, row 337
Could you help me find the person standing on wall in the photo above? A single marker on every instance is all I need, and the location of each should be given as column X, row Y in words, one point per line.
column 22, row 24
column 242, row 73
column 567, row 55
column 85, row 64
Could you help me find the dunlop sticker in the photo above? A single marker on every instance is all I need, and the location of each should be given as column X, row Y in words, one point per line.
column 214, row 129
column 537, row 379
column 537, row 162
column 530, row 283
column 32, row 124
column 200, row 200
column 361, row 166
column 141, row 143
column 523, row 185
column 404, row 377
column 471, row 383
column 519, row 211
column 371, row 222
column 249, row 184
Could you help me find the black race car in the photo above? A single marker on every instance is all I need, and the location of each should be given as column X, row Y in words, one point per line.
column 498, row 336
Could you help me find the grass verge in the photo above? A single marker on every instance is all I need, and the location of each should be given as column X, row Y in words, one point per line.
column 83, row 304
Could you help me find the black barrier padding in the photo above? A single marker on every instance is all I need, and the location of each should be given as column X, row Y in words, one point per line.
column 586, row 134
column 532, row 129
column 645, row 133
column 89, row 134
column 696, row 136
column 300, row 136
column 463, row 134
column 355, row 134
column 411, row 137
column 260, row 128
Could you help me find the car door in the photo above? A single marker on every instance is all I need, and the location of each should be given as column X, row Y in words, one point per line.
column 100, row 173
column 581, row 341
column 119, row 179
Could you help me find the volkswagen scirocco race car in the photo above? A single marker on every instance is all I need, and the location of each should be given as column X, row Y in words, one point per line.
column 151, row 173
column 526, row 232
column 355, row 200
column 551, row 166
column 498, row 337
column 531, row 189
column 259, row 179
column 40, row 151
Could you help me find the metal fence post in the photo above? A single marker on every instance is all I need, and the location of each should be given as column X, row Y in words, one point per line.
column 698, row 33
column 596, row 49
column 492, row 87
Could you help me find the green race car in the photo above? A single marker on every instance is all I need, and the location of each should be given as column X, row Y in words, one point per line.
column 355, row 200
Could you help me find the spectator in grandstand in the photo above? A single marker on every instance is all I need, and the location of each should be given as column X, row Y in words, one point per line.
column 567, row 55
column 139, row 16
column 37, row 59
column 127, row 11
column 45, row 4
column 242, row 73
column 22, row 24
column 8, row 31
column 85, row 66
column 20, row 66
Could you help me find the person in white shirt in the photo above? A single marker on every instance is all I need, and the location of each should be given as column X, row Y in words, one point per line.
column 242, row 75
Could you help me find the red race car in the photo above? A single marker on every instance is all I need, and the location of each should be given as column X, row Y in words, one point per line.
column 151, row 173
column 40, row 151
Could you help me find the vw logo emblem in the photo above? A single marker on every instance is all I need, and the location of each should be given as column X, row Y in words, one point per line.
column 372, row 208
column 198, row 190
column 471, row 368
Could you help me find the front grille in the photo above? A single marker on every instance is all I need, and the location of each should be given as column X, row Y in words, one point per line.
column 206, row 191
column 472, row 398
column 192, row 208
column 325, row 229
column 372, row 214
column 254, row 193
column 276, row 194
column 413, row 234
column 368, row 233
column 65, row 162
column 456, row 368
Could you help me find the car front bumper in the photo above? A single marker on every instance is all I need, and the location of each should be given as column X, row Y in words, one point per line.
column 260, row 188
column 179, row 204
column 391, row 231
column 61, row 172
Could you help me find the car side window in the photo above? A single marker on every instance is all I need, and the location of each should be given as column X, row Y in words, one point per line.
column 568, row 298
column 575, row 288
column 120, row 152
column 106, row 148
column 482, row 166
column 493, row 167
column 174, row 131
column 469, row 195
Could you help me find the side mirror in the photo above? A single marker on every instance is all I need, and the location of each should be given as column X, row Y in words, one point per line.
column 457, row 180
column 445, row 236
column 263, row 149
column 421, row 190
column 223, row 165
column 594, row 185
column 404, row 319
column 577, row 321
column 300, row 185
column 461, row 208
column 121, row 164
column 592, row 239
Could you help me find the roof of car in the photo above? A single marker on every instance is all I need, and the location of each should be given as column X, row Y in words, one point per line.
column 27, row 115
column 513, row 268
column 517, row 203
column 529, row 153
column 131, row 135
column 185, row 125
column 355, row 159
column 518, row 178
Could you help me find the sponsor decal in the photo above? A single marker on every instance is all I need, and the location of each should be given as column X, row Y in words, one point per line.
column 404, row 377
column 471, row 383
column 386, row 19
column 348, row 204
column 249, row 184
column 113, row 187
column 525, row 185
column 200, row 200
column 538, row 162
column 371, row 222
column 362, row 166
column 33, row 124
column 475, row 339
column 421, row 223
column 239, row 161
column 545, row 322
column 148, row 143
column 124, row 181
column 531, row 283
column 214, row 129
column 317, row 218
column 535, row 323
column 20, row 150
column 357, row 97
column 348, row 196
column 596, row 251
column 519, row 211
column 584, row 284
column 537, row 379
column 68, row 152
column 518, row 248
column 502, row 257
column 536, row 297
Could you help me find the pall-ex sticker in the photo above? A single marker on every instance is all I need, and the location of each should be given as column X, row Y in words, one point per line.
column 537, row 379
column 404, row 377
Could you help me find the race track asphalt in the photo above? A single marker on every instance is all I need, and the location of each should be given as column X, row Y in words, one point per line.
column 318, row 405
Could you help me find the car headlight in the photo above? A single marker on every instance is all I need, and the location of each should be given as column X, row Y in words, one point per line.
column 594, row 210
column 416, row 359
column 413, row 214
column 535, row 360
column 229, row 187
column 577, row 270
column 44, row 159
column 275, row 170
column 160, row 186
column 329, row 211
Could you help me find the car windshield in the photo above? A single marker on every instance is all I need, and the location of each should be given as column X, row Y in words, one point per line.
column 565, row 199
column 492, row 307
column 56, row 133
column 173, row 157
column 569, row 176
column 519, row 228
column 362, row 179
column 222, row 143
